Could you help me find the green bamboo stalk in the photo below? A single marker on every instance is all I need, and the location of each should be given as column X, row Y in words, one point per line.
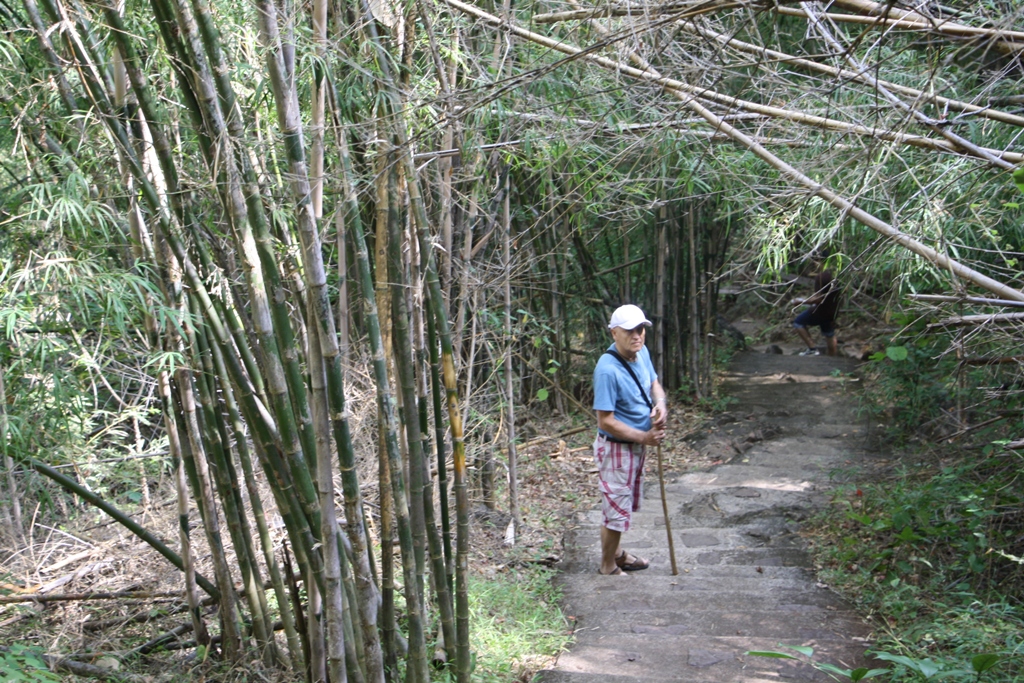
column 442, row 464
column 355, row 651
column 257, row 218
column 72, row 486
column 266, row 542
column 455, row 420
column 442, row 587
column 181, row 489
column 226, row 480
column 263, row 424
column 402, row 352
column 230, row 635
column 256, row 263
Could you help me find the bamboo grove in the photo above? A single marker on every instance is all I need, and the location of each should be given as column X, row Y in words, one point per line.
column 228, row 225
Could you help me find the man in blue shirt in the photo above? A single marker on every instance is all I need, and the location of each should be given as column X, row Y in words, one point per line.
column 631, row 413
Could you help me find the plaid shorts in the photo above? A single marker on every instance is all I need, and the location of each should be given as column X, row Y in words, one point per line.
column 620, row 469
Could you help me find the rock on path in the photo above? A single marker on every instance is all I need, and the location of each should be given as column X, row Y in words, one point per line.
column 745, row 581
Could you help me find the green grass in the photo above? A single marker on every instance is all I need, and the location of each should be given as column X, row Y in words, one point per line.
column 516, row 624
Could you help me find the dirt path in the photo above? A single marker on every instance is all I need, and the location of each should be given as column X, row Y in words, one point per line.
column 745, row 581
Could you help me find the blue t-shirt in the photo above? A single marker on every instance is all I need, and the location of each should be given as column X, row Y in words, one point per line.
column 615, row 390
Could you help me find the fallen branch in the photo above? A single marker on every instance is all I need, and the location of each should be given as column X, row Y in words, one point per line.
column 77, row 597
column 1005, row 360
column 982, row 301
column 692, row 9
column 889, row 15
column 980, row 319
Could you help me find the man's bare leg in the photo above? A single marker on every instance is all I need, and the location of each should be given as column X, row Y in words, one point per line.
column 806, row 336
column 832, row 345
column 609, row 549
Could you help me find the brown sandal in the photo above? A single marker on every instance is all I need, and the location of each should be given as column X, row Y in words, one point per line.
column 615, row 572
column 636, row 565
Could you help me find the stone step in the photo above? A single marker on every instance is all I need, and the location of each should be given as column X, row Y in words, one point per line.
column 785, row 601
column 699, row 658
column 657, row 624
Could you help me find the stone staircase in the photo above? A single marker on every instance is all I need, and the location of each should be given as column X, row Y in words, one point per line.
column 745, row 579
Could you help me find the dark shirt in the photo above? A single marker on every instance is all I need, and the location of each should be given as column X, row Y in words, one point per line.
column 823, row 283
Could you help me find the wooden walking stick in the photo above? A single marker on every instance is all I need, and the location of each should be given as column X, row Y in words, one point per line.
column 664, row 508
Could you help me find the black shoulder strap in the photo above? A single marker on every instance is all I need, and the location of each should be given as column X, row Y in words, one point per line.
column 625, row 364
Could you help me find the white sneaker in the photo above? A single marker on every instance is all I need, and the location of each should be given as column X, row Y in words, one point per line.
column 810, row 352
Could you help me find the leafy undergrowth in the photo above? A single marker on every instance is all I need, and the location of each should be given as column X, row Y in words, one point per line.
column 931, row 552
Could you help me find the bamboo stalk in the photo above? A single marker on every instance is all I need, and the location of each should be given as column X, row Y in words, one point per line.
column 403, row 350
column 513, row 470
column 692, row 8
column 204, row 496
column 441, row 459
column 664, row 510
column 893, row 17
column 367, row 603
column 334, row 612
column 226, row 481
column 266, row 542
column 450, row 379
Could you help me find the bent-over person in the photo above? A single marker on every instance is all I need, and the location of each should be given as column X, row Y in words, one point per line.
column 824, row 306
column 631, row 414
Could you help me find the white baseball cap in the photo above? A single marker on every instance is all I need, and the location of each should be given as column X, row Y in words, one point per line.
column 628, row 317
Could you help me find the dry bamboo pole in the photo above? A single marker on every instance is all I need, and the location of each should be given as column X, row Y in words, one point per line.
column 334, row 602
column 889, row 16
column 932, row 124
column 382, row 297
column 664, row 509
column 940, row 260
column 686, row 90
column 687, row 9
column 859, row 75
column 981, row 301
column 510, row 407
